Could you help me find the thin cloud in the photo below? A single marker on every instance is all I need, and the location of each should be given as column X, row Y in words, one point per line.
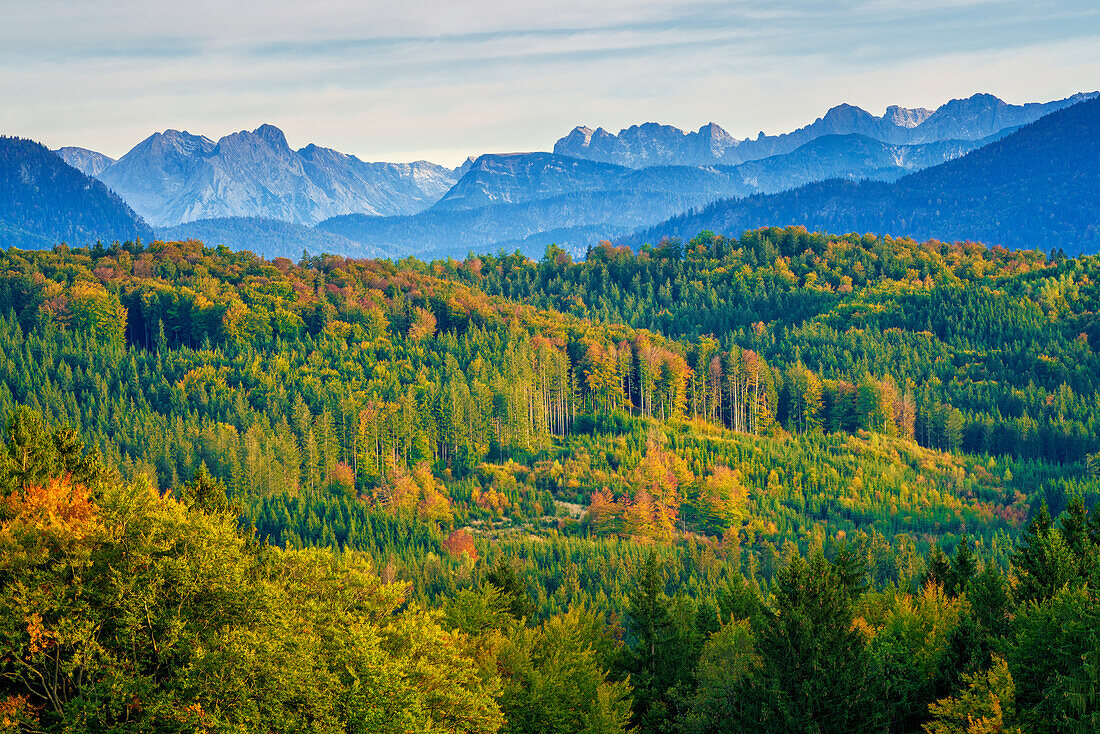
column 441, row 80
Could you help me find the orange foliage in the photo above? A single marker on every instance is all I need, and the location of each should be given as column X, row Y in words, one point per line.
column 661, row 473
column 17, row 712
column 342, row 480
column 603, row 510
column 424, row 325
column 41, row 637
column 59, row 505
column 460, row 541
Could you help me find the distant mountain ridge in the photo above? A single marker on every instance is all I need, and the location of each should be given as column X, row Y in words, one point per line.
column 266, row 237
column 650, row 144
column 514, row 178
column 88, row 162
column 175, row 177
column 528, row 200
column 251, row 190
column 852, row 157
column 44, row 201
column 579, row 217
column 1038, row 187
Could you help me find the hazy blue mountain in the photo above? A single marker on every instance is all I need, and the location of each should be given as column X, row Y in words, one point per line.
column 977, row 117
column 528, row 200
column 86, row 161
column 267, row 237
column 852, row 157
column 517, row 177
column 649, row 144
column 576, row 240
column 577, row 219
column 158, row 171
column 45, row 201
column 1037, row 187
column 175, row 177
column 520, row 177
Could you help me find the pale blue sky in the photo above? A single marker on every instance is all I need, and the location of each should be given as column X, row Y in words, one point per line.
column 440, row 79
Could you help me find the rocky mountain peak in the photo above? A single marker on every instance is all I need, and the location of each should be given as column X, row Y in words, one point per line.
column 88, row 162
column 846, row 115
column 175, row 177
column 177, row 142
column 906, row 117
column 467, row 164
column 273, row 135
column 584, row 134
column 266, row 137
column 714, row 131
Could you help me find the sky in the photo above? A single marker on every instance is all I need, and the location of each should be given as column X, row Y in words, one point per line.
column 442, row 79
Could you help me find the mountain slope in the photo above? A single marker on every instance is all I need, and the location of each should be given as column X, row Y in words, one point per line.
column 44, row 201
column 974, row 118
column 851, row 157
column 88, row 162
column 1038, row 187
column 157, row 170
column 266, row 237
column 580, row 218
column 517, row 177
column 176, row 177
column 520, row 177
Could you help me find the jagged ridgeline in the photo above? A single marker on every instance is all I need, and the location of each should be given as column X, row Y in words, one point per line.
column 789, row 478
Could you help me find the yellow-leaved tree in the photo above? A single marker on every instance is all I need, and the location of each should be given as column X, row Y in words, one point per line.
column 122, row 609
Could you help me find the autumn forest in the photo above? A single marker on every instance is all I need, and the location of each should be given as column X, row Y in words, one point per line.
column 784, row 482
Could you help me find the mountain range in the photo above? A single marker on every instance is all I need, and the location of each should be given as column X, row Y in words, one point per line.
column 1037, row 187
column 652, row 144
column 251, row 190
column 175, row 177
column 529, row 200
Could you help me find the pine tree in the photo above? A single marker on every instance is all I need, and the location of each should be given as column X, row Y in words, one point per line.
column 1042, row 560
column 963, row 569
column 650, row 628
column 817, row 674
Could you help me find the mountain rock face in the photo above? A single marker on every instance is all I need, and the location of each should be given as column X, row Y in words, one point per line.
column 974, row 118
column 86, row 161
column 158, row 171
column 1038, row 187
column 44, row 201
column 517, row 177
column 903, row 117
column 175, row 177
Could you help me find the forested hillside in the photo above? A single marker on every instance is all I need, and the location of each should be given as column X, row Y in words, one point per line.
column 784, row 482
column 45, row 201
